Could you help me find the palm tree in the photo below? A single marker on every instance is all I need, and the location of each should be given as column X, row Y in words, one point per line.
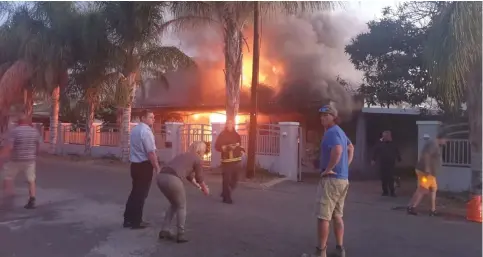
column 134, row 29
column 44, row 56
column 93, row 75
column 55, row 46
column 453, row 54
column 15, row 69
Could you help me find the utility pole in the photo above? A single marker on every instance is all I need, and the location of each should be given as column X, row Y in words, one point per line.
column 252, row 133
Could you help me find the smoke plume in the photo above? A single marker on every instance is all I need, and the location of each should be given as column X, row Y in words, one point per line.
column 301, row 57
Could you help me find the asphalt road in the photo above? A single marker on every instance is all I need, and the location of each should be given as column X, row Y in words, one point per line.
column 80, row 214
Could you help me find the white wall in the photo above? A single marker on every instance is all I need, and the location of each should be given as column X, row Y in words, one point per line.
column 454, row 179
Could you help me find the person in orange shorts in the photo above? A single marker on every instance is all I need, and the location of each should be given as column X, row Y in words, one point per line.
column 427, row 169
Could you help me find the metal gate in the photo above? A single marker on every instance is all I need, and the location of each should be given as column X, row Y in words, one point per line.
column 189, row 133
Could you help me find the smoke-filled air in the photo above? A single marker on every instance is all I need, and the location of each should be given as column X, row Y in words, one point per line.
column 300, row 57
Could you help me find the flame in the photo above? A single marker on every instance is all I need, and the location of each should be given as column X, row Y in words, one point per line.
column 269, row 71
column 220, row 117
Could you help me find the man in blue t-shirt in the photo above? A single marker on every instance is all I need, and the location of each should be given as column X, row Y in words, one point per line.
column 336, row 153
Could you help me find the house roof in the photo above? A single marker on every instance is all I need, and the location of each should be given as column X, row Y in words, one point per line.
column 184, row 88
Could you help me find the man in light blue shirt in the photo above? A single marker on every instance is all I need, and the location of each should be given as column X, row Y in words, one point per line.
column 336, row 153
column 143, row 162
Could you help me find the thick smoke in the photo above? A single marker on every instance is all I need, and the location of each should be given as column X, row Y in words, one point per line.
column 312, row 52
column 309, row 50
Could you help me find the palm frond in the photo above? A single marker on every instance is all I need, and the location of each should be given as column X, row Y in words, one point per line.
column 188, row 15
column 454, row 47
column 165, row 58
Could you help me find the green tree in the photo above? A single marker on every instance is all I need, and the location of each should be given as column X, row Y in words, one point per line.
column 93, row 77
column 135, row 29
column 453, row 57
column 391, row 56
column 43, row 57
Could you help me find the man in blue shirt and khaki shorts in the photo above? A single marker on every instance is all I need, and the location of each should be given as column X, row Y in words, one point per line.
column 336, row 153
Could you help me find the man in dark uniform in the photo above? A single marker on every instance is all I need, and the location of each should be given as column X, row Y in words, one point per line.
column 385, row 156
column 228, row 144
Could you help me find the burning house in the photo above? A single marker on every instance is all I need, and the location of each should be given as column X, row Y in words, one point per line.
column 300, row 60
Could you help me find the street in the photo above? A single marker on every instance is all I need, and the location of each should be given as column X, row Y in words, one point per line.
column 80, row 210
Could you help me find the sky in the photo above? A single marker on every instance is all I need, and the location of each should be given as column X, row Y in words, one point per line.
column 368, row 10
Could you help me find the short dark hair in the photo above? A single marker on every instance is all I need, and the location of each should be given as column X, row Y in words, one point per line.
column 145, row 112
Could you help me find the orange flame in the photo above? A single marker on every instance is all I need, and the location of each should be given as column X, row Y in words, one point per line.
column 269, row 71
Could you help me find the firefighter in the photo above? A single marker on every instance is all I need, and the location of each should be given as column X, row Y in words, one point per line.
column 228, row 144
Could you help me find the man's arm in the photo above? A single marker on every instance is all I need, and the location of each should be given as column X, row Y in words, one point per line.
column 218, row 142
column 5, row 151
column 335, row 154
column 150, row 147
column 350, row 152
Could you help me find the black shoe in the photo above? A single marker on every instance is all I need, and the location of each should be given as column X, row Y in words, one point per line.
column 141, row 225
column 411, row 211
column 384, row 194
column 393, row 195
column 228, row 201
column 433, row 213
column 30, row 204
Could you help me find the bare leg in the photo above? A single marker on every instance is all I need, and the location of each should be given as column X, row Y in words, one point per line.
column 323, row 232
column 32, row 190
column 418, row 196
column 339, row 230
column 433, row 199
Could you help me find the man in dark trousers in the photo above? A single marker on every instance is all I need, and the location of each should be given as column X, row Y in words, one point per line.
column 143, row 162
column 384, row 157
column 228, row 143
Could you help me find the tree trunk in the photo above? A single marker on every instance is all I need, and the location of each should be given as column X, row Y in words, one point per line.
column 252, row 133
column 126, row 119
column 90, row 119
column 28, row 100
column 473, row 102
column 54, row 119
column 233, row 67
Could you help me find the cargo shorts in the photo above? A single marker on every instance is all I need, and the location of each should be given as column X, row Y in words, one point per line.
column 331, row 194
column 11, row 169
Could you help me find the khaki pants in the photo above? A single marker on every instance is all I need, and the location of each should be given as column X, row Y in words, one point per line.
column 173, row 189
column 12, row 168
column 331, row 194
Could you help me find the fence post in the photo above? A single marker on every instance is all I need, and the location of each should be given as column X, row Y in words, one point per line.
column 62, row 131
column 173, row 135
column 95, row 137
column 216, row 129
column 429, row 128
column 288, row 158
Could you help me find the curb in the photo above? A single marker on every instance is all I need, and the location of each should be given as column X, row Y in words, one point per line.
column 273, row 182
